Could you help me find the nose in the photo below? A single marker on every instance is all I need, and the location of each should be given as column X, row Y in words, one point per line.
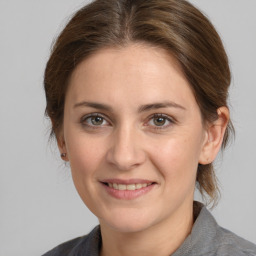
column 126, row 149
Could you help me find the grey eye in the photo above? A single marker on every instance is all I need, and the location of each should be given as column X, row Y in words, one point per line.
column 94, row 120
column 97, row 120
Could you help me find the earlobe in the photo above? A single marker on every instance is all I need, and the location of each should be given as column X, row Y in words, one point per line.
column 214, row 136
column 62, row 148
column 61, row 143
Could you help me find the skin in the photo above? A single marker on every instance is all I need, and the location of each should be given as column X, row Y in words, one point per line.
column 129, row 143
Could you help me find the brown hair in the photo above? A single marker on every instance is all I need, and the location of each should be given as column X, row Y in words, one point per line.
column 174, row 25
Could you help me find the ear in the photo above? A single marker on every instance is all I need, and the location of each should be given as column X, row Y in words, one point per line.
column 214, row 136
column 62, row 147
column 60, row 142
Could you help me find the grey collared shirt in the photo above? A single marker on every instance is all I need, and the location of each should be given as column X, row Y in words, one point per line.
column 207, row 238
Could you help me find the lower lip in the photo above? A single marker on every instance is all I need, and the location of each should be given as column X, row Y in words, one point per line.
column 128, row 194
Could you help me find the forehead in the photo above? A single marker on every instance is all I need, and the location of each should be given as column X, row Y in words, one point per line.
column 136, row 73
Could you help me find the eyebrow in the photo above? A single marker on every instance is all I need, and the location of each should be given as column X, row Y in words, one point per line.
column 94, row 105
column 165, row 104
column 142, row 108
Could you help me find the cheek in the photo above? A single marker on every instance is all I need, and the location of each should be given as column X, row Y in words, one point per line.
column 85, row 155
column 177, row 159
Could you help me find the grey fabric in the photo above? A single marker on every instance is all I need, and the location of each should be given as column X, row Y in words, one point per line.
column 209, row 239
column 88, row 245
column 206, row 238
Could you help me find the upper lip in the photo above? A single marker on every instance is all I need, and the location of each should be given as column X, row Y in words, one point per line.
column 127, row 181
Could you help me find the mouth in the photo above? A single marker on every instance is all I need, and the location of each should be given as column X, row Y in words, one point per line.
column 128, row 189
column 131, row 187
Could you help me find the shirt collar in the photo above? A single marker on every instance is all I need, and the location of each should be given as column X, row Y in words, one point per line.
column 203, row 231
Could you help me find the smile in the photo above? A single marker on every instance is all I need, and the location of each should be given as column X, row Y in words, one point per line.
column 129, row 186
column 128, row 189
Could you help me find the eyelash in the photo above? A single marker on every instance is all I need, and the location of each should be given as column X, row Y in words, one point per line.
column 166, row 119
column 85, row 118
column 151, row 118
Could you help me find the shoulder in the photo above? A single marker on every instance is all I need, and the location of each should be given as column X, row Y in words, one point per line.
column 228, row 243
column 218, row 241
column 85, row 245
column 66, row 248
column 207, row 238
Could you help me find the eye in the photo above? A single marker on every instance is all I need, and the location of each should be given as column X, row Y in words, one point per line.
column 94, row 120
column 160, row 121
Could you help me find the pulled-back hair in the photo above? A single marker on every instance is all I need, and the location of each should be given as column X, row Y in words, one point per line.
column 174, row 25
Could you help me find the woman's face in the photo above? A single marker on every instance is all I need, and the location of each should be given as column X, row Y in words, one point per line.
column 134, row 136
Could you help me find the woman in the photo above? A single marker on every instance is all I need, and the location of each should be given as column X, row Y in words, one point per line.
column 137, row 94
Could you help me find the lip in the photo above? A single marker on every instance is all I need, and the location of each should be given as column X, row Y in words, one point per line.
column 128, row 181
column 127, row 194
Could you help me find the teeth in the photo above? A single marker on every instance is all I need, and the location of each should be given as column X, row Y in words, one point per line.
column 121, row 187
column 128, row 187
column 131, row 187
column 138, row 186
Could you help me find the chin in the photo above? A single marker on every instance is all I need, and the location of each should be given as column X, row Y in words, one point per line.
column 129, row 222
column 129, row 227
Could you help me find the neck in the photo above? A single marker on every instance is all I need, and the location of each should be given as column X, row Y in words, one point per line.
column 161, row 239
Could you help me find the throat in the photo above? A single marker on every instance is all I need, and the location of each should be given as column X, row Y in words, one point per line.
column 161, row 239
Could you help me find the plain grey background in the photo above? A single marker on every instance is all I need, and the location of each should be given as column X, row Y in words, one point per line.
column 39, row 207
